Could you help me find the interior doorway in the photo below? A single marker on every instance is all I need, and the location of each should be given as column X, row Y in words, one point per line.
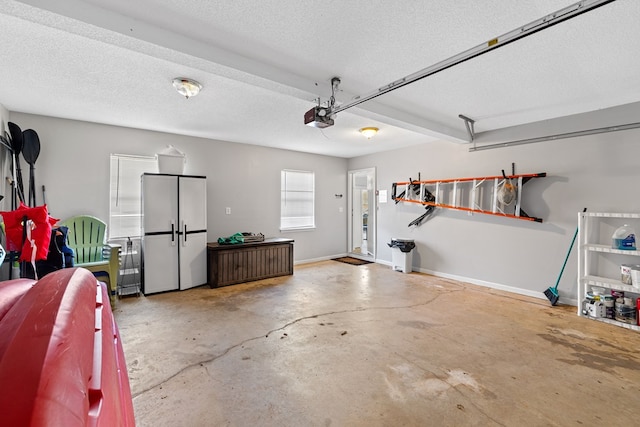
column 362, row 206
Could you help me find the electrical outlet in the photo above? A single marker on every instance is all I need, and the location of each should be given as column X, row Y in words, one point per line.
column 227, row 211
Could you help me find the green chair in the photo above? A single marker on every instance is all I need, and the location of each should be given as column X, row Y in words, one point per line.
column 88, row 238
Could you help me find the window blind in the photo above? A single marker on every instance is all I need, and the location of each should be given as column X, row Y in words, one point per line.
column 297, row 194
column 125, row 199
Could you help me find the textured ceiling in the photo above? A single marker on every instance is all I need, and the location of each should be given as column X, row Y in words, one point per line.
column 262, row 64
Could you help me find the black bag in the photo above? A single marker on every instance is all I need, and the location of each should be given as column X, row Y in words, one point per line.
column 59, row 256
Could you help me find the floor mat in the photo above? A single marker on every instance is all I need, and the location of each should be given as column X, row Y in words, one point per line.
column 352, row 261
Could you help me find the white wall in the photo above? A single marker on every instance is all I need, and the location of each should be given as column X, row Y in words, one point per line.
column 4, row 118
column 599, row 172
column 74, row 166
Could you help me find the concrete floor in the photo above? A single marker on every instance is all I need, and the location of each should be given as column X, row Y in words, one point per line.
column 343, row 345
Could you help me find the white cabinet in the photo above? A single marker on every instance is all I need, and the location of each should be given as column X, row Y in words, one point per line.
column 599, row 265
column 174, row 250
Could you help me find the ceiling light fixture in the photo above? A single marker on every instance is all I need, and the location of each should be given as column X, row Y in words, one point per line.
column 186, row 87
column 369, row 132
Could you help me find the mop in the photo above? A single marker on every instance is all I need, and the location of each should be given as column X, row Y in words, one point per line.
column 552, row 292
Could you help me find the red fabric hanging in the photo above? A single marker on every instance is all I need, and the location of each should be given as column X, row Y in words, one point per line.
column 40, row 234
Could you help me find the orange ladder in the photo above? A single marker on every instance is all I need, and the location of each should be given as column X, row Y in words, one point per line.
column 466, row 194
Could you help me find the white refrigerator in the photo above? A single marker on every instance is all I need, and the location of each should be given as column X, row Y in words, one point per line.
column 174, row 230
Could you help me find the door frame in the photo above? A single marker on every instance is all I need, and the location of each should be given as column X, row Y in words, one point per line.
column 371, row 214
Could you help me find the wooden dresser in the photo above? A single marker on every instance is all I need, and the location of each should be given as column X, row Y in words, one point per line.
column 244, row 262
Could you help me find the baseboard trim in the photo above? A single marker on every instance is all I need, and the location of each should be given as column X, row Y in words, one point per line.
column 492, row 285
column 498, row 286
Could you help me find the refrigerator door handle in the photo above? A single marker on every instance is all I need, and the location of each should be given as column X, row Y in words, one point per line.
column 185, row 234
column 173, row 233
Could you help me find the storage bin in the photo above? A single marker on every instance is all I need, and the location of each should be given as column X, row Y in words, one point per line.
column 171, row 161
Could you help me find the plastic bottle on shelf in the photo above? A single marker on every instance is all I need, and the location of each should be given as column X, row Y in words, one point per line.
column 624, row 238
column 620, row 313
column 609, row 303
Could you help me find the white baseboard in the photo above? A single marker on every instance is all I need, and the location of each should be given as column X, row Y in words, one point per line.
column 492, row 285
column 499, row 286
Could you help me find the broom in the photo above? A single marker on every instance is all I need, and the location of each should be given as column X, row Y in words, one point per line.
column 552, row 292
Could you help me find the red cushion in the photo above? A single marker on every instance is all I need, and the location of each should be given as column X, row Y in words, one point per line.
column 41, row 234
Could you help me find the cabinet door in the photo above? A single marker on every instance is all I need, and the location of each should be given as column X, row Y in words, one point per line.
column 159, row 203
column 160, row 264
column 193, row 260
column 192, row 203
column 192, row 207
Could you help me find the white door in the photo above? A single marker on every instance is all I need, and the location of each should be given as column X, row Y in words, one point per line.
column 159, row 203
column 192, row 207
column 160, row 263
column 192, row 202
column 160, row 239
column 362, row 208
column 193, row 260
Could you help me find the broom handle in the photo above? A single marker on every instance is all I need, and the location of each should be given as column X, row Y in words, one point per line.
column 567, row 257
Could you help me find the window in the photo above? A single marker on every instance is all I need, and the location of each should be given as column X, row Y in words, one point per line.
column 125, row 200
column 297, row 194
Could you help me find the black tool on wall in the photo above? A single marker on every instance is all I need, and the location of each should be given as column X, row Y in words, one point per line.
column 16, row 146
column 31, row 151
